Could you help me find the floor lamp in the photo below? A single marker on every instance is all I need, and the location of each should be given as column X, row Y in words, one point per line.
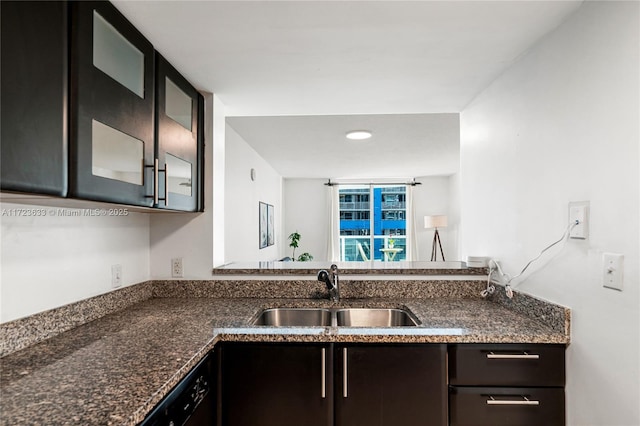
column 431, row 222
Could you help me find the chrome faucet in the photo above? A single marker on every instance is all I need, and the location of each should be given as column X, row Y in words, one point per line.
column 331, row 281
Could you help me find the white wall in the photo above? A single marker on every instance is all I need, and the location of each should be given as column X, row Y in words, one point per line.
column 53, row 260
column 242, row 197
column 455, row 218
column 307, row 212
column 217, row 131
column 191, row 236
column 561, row 125
column 435, row 197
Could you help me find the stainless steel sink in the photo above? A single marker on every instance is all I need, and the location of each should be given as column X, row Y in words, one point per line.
column 292, row 317
column 347, row 317
column 375, row 317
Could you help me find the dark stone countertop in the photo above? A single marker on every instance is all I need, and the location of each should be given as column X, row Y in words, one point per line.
column 348, row 268
column 114, row 370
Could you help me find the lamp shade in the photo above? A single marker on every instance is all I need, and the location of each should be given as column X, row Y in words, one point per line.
column 439, row 221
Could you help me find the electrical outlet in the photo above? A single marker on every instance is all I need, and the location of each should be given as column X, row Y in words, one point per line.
column 176, row 267
column 579, row 212
column 116, row 276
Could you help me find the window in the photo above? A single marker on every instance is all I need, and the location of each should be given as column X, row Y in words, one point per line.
column 373, row 223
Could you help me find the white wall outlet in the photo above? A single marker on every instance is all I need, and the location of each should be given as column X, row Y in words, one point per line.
column 116, row 276
column 176, row 267
column 579, row 211
column 612, row 268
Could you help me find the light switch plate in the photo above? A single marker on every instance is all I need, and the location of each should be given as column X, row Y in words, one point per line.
column 612, row 268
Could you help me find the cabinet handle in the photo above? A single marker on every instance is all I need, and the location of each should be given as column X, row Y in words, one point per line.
column 323, row 382
column 523, row 401
column 156, row 176
column 523, row 355
column 166, row 185
column 345, row 373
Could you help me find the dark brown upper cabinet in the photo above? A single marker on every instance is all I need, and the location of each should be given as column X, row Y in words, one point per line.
column 112, row 107
column 87, row 113
column 34, row 140
column 178, row 164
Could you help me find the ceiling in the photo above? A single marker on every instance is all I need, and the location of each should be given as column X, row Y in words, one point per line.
column 398, row 141
column 341, row 58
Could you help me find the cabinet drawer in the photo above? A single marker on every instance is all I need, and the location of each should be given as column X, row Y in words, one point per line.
column 485, row 406
column 506, row 365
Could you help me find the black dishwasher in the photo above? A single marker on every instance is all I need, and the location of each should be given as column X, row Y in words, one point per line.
column 191, row 402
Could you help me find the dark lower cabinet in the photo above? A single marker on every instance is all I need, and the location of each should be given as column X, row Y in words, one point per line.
column 193, row 401
column 388, row 385
column 506, row 385
column 327, row 384
column 276, row 384
column 34, row 109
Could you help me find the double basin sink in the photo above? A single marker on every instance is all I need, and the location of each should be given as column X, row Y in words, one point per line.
column 327, row 317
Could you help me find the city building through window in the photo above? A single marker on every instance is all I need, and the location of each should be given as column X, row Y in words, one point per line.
column 373, row 223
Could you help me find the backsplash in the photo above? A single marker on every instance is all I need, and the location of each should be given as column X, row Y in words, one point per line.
column 555, row 316
column 291, row 289
column 23, row 332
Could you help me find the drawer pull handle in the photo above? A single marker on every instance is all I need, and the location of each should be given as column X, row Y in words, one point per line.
column 323, row 380
column 345, row 373
column 523, row 355
column 523, row 401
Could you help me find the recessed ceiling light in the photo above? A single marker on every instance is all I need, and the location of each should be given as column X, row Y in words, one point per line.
column 358, row 135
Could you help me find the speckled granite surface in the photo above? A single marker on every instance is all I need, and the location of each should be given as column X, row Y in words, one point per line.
column 18, row 334
column 349, row 268
column 296, row 289
column 110, row 371
column 556, row 316
column 115, row 369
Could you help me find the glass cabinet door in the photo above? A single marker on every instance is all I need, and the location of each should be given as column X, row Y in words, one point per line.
column 178, row 137
column 112, row 114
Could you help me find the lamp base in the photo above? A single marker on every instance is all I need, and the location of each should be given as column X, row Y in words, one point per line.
column 434, row 247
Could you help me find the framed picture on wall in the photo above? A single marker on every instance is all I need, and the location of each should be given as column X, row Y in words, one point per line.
column 270, row 225
column 262, row 224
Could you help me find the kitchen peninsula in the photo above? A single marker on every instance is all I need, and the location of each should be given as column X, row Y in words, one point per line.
column 116, row 368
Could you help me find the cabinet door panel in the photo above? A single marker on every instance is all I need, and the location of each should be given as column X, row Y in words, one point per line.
column 389, row 385
column 497, row 406
column 34, row 140
column 275, row 385
column 113, row 84
column 178, row 139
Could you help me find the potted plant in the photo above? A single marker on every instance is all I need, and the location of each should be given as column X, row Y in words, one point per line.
column 392, row 242
column 294, row 239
